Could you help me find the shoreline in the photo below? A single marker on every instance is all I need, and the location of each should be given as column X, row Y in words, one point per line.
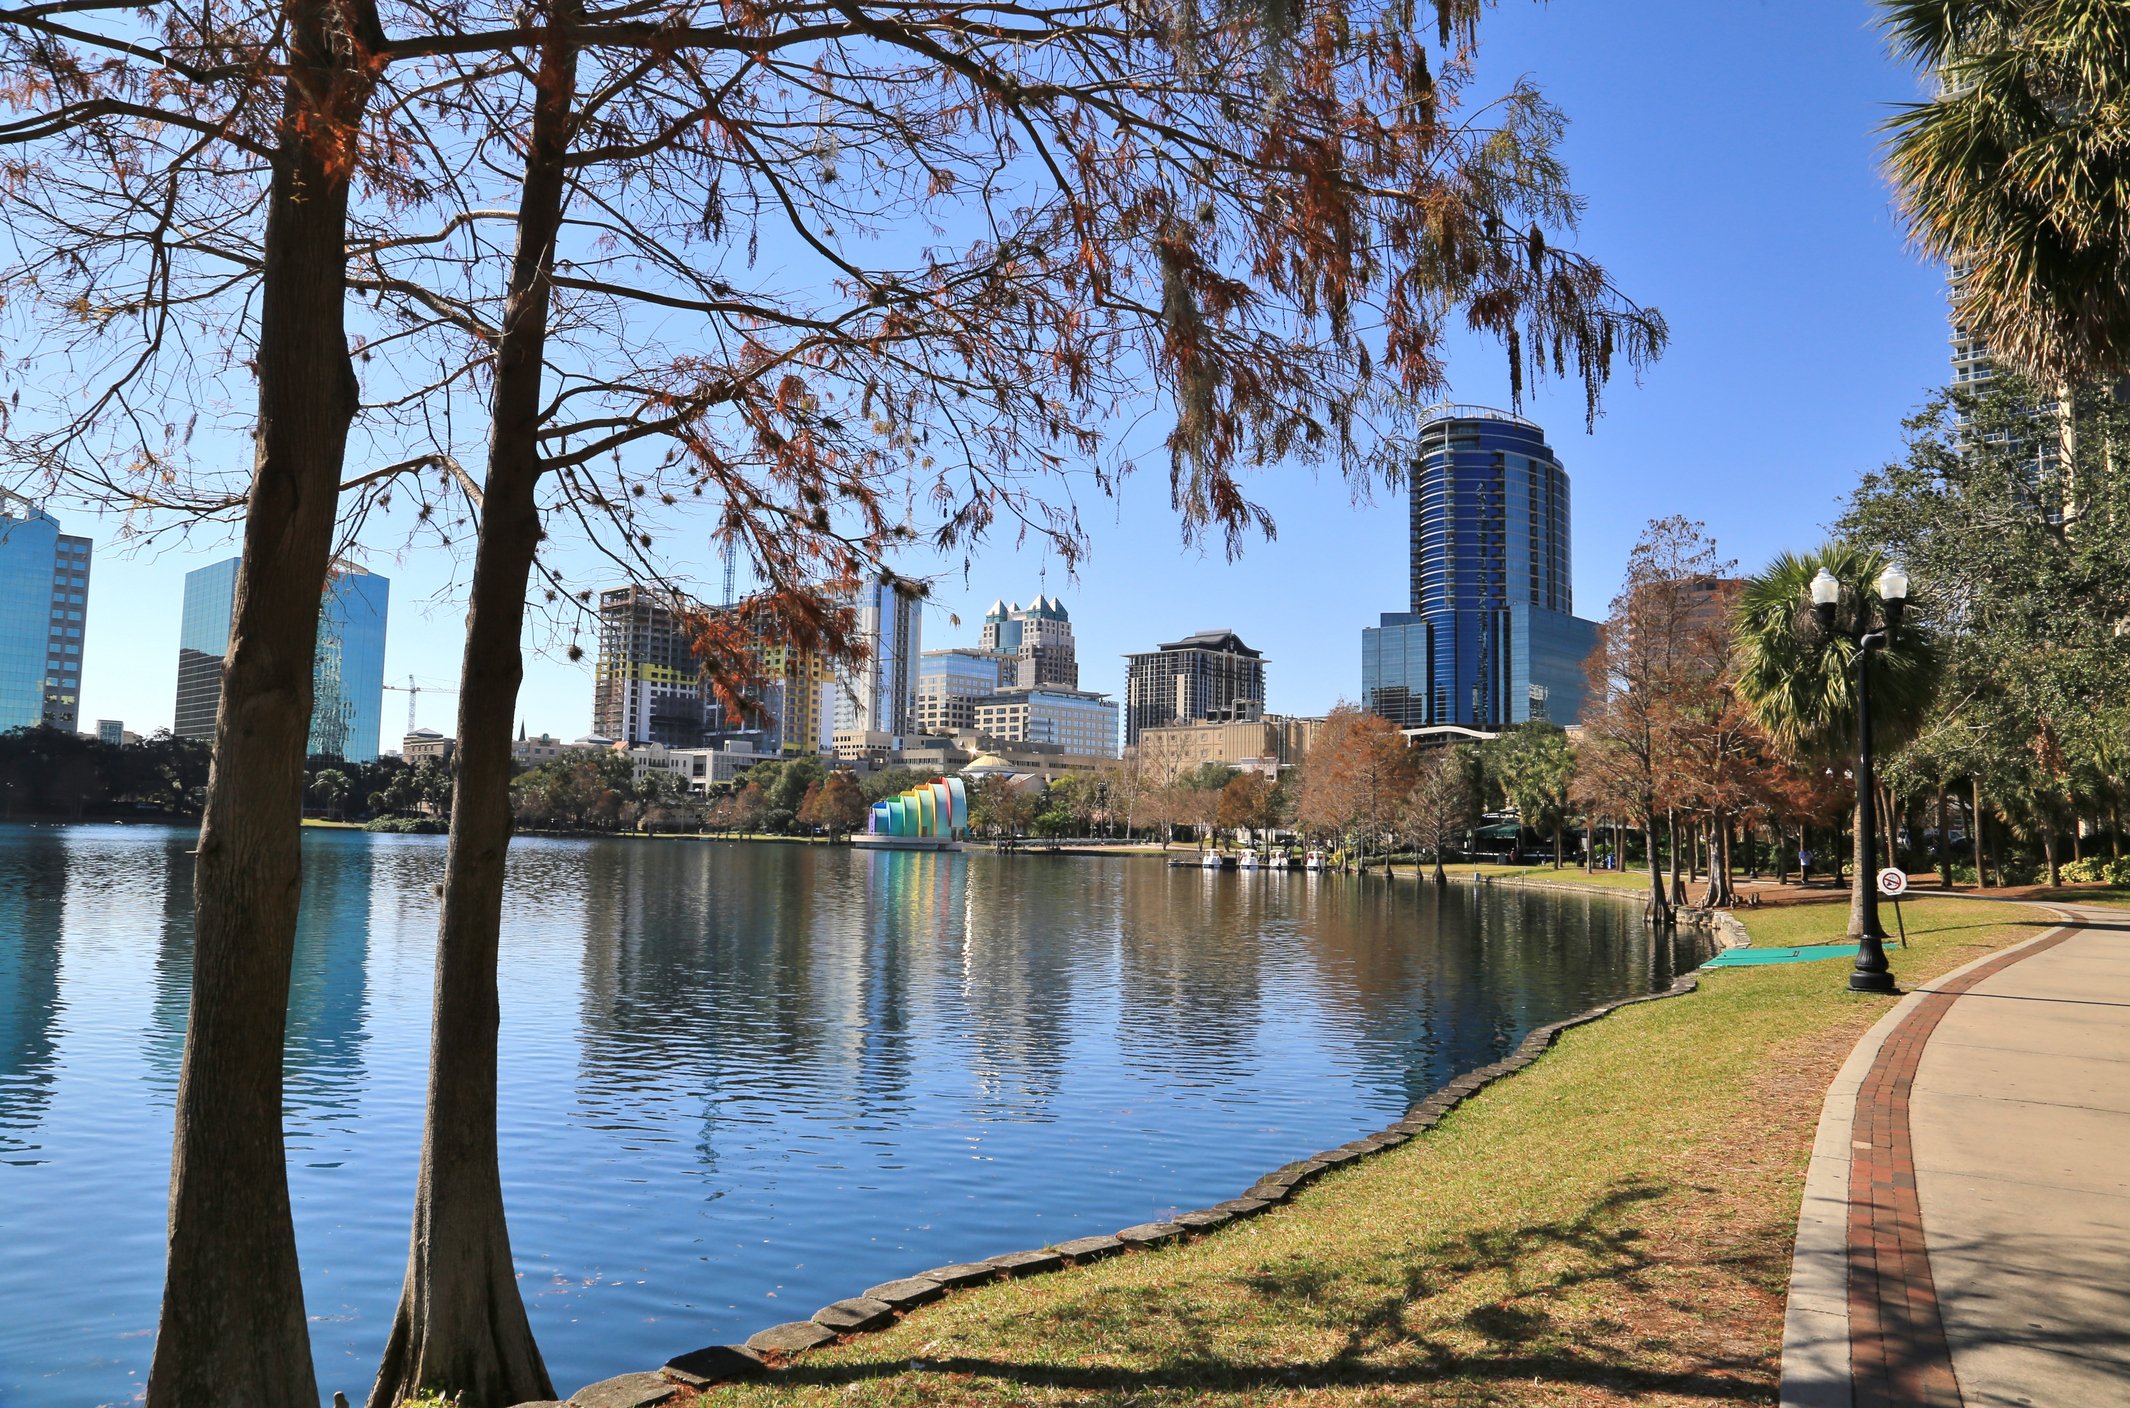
column 1709, row 1149
column 878, row 1307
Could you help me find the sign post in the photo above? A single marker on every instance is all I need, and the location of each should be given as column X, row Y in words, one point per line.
column 1893, row 883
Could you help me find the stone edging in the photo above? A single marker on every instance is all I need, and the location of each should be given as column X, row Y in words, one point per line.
column 882, row 1305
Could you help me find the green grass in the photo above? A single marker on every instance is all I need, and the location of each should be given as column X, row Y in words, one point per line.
column 1611, row 1226
column 1543, row 873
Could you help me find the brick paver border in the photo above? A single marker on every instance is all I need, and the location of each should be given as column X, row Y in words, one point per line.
column 1897, row 1351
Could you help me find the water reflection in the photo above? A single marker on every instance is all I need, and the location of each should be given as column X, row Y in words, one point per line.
column 328, row 1002
column 165, row 1044
column 738, row 1080
column 33, row 890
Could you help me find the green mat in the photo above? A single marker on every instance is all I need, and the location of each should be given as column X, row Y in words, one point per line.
column 1759, row 957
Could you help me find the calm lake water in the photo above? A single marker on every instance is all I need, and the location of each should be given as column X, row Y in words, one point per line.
column 738, row 1081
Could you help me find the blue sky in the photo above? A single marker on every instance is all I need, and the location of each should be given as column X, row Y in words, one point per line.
column 1729, row 155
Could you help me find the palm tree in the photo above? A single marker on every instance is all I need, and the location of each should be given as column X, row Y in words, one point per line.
column 330, row 788
column 2015, row 173
column 1800, row 684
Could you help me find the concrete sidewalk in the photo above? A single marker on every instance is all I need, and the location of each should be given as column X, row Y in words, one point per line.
column 1965, row 1236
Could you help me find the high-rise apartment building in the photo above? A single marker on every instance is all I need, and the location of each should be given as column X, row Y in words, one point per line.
column 647, row 684
column 1076, row 720
column 651, row 684
column 44, row 609
column 1038, row 639
column 1491, row 637
column 798, row 700
column 347, row 669
column 879, row 697
column 1209, row 675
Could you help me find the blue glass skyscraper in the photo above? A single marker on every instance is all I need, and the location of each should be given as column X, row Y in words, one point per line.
column 1490, row 637
column 348, row 671
column 44, row 607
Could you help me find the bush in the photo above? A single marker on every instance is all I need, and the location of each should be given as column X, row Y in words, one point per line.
column 407, row 825
column 2018, row 870
column 2097, row 868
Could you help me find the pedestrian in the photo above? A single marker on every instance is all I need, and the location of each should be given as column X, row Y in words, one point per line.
column 1804, row 865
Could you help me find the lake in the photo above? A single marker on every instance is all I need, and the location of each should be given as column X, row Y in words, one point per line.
column 738, row 1081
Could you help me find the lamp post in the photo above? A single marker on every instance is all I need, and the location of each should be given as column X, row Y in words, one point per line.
column 1871, row 973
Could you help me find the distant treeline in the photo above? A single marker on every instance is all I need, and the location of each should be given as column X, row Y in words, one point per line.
column 49, row 772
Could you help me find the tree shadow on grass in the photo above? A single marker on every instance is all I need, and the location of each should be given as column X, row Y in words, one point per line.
column 1381, row 1306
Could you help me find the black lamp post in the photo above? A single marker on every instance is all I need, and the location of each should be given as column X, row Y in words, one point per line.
column 1871, row 973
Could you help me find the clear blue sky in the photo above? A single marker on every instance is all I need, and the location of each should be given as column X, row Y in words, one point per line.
column 1729, row 155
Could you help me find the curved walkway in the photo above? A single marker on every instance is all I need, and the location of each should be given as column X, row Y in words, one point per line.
column 1965, row 1234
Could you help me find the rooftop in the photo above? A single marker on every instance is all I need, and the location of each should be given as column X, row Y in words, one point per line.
column 1221, row 639
column 1454, row 410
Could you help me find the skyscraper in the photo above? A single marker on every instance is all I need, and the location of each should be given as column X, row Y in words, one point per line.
column 1039, row 639
column 880, row 696
column 348, row 672
column 647, row 686
column 1209, row 675
column 203, row 640
column 44, row 607
column 347, row 668
column 950, row 682
column 1490, row 637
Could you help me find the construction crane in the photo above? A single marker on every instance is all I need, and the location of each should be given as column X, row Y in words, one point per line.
column 414, row 692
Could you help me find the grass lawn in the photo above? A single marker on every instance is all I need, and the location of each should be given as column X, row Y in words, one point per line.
column 1613, row 1225
column 1570, row 873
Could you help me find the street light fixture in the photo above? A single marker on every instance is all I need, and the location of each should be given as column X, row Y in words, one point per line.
column 1871, row 974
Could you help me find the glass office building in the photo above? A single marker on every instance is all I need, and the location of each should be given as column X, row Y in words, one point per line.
column 347, row 672
column 1490, row 636
column 44, row 608
column 879, row 694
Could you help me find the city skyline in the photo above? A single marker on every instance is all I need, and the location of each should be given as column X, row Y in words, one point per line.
column 1838, row 315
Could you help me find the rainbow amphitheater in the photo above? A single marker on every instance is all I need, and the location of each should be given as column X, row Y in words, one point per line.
column 930, row 816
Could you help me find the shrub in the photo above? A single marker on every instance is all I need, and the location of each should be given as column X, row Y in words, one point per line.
column 2098, row 868
column 407, row 825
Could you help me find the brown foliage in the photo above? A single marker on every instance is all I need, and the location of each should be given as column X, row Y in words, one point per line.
column 1356, row 778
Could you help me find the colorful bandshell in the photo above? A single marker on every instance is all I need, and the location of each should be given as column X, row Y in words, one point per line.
column 938, row 809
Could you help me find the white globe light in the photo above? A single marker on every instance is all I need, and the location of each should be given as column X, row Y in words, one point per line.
column 1893, row 584
column 1825, row 590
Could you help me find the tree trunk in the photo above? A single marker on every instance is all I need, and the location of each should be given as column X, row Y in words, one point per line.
column 1659, row 898
column 1944, row 843
column 1719, row 894
column 1671, row 846
column 1974, row 833
column 233, row 1332
column 2048, row 855
column 1590, row 831
column 461, row 1326
column 1891, row 815
column 1860, row 829
column 1558, row 823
